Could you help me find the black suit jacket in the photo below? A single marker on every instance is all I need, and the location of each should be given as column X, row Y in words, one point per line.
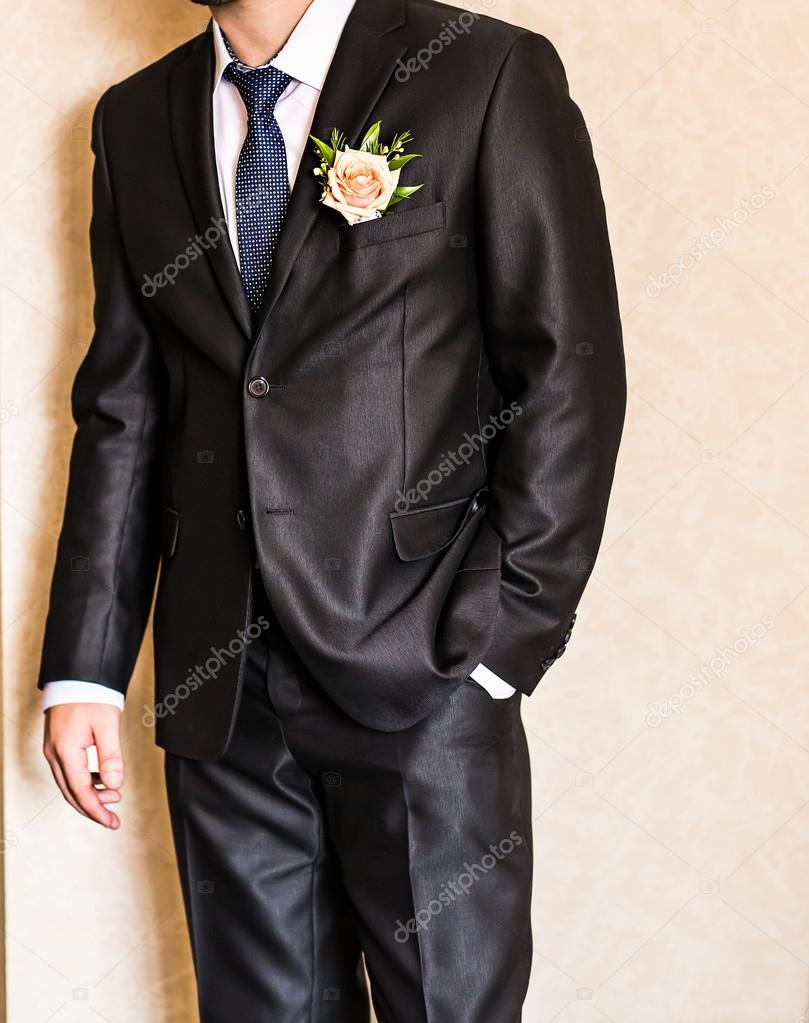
column 397, row 550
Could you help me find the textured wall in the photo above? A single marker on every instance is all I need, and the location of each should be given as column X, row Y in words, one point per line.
column 671, row 746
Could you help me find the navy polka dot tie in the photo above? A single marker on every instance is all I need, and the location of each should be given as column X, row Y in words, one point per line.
column 262, row 177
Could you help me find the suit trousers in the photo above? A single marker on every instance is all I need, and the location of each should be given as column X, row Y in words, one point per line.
column 316, row 849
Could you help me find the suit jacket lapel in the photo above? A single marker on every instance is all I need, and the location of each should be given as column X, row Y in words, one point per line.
column 191, row 116
column 363, row 64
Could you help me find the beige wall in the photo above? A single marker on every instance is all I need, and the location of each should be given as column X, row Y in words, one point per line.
column 672, row 854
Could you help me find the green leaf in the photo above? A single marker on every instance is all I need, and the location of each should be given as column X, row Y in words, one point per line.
column 370, row 143
column 403, row 193
column 325, row 151
column 403, row 161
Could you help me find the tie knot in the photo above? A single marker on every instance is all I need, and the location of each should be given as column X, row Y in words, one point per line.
column 259, row 87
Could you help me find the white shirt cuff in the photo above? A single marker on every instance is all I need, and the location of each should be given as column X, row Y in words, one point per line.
column 69, row 691
column 493, row 684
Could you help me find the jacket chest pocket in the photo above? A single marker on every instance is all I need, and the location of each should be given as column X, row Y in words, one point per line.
column 400, row 225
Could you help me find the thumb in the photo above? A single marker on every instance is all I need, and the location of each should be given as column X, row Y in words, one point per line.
column 108, row 747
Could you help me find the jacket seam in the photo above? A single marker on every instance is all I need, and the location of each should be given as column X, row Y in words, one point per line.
column 489, row 101
column 481, row 138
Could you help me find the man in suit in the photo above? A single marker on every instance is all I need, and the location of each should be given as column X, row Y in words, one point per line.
column 372, row 462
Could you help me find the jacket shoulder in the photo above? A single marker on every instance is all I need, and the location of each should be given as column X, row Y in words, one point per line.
column 436, row 17
column 138, row 87
column 488, row 39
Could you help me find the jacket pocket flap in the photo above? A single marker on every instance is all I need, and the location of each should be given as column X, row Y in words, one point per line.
column 426, row 531
column 402, row 223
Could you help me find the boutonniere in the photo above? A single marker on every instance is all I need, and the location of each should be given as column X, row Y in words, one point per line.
column 363, row 184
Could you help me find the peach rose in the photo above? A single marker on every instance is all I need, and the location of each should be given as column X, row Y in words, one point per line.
column 360, row 185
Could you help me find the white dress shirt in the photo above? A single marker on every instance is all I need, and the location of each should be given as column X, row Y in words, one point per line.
column 306, row 58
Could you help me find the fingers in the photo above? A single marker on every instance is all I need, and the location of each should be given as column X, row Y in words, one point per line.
column 69, row 731
column 105, row 795
column 59, row 778
column 80, row 784
column 110, row 758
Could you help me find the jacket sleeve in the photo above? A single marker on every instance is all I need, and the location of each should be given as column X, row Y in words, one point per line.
column 108, row 550
column 554, row 347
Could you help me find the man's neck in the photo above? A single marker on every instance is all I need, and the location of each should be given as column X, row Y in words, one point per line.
column 258, row 29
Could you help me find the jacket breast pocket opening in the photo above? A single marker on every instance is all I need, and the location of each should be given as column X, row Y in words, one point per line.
column 169, row 532
column 400, row 224
column 423, row 532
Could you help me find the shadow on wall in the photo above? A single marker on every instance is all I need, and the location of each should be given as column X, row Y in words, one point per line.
column 154, row 979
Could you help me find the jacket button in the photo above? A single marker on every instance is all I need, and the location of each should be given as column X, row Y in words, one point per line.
column 241, row 519
column 258, row 387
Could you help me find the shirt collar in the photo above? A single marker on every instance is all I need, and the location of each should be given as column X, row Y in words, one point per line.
column 309, row 51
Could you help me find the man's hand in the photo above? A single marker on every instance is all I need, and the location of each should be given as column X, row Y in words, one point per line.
column 70, row 729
